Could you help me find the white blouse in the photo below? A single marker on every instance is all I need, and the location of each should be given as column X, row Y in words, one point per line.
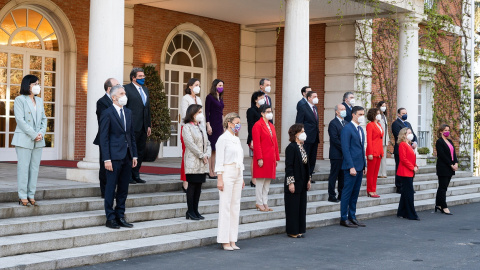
column 228, row 151
column 187, row 100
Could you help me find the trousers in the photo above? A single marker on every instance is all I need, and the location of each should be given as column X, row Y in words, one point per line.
column 372, row 173
column 441, row 199
column 383, row 163
column 229, row 205
column 261, row 190
column 27, row 171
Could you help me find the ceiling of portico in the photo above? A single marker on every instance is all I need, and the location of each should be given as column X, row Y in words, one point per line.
column 258, row 12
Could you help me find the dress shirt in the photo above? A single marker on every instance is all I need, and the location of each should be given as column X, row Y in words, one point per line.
column 140, row 89
column 359, row 132
column 108, row 95
column 228, row 151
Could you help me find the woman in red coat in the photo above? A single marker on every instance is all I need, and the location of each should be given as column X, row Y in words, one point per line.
column 374, row 150
column 265, row 156
column 407, row 168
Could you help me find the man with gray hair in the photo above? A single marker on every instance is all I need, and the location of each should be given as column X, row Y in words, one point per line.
column 348, row 102
column 335, row 153
column 265, row 87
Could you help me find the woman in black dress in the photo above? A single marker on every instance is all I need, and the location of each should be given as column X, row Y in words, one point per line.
column 447, row 164
column 297, row 182
column 253, row 115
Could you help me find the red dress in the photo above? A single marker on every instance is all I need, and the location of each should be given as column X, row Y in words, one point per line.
column 265, row 147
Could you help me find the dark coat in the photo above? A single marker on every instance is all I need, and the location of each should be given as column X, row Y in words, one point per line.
column 141, row 113
column 253, row 115
column 300, row 103
column 444, row 158
column 334, row 131
column 102, row 104
column 397, row 125
column 295, row 167
column 306, row 117
column 347, row 118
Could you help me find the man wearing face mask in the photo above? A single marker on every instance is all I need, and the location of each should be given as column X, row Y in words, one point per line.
column 119, row 153
column 265, row 87
column 308, row 116
column 304, row 92
column 335, row 153
column 102, row 104
column 354, row 166
column 139, row 103
column 348, row 102
column 400, row 123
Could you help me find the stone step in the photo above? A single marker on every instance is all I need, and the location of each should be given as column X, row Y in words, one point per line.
column 49, row 207
column 111, row 251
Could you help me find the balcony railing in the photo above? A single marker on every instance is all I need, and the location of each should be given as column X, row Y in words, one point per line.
column 429, row 4
column 424, row 139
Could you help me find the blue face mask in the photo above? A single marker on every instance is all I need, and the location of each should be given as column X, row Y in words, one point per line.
column 404, row 117
column 237, row 128
column 141, row 81
column 343, row 114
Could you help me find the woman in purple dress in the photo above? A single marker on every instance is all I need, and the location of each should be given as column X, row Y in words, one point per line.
column 214, row 118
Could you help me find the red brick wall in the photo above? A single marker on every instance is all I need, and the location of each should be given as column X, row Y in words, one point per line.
column 152, row 26
column 316, row 78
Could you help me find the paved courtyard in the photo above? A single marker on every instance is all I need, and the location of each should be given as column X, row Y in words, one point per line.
column 436, row 242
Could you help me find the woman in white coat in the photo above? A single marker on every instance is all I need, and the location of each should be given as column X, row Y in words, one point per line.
column 29, row 138
column 229, row 168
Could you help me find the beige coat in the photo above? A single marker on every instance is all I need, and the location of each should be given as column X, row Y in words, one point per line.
column 386, row 137
column 197, row 146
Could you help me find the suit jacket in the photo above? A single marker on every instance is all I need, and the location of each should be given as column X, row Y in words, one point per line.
column 334, row 131
column 265, row 148
column 374, row 140
column 300, row 103
column 253, row 115
column 347, row 118
column 386, row 136
column 114, row 139
column 352, row 148
column 407, row 160
column 444, row 158
column 397, row 125
column 141, row 113
column 310, row 123
column 30, row 122
column 270, row 103
column 294, row 167
column 102, row 104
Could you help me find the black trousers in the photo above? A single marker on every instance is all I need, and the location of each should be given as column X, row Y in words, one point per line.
column 141, row 141
column 406, row 206
column 336, row 172
column 398, row 182
column 443, row 182
column 311, row 150
column 296, row 212
column 117, row 179
column 193, row 197
column 102, row 174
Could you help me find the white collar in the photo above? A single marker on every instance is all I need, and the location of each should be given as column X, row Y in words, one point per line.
column 339, row 118
column 117, row 107
column 355, row 124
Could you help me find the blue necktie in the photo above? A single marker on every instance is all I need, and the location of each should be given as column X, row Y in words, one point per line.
column 122, row 119
column 360, row 134
column 405, row 123
column 142, row 95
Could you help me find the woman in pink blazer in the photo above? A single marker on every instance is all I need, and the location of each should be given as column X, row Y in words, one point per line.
column 374, row 150
column 265, row 156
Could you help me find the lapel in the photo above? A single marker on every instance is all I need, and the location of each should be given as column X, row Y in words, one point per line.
column 338, row 124
column 106, row 101
column 32, row 110
column 136, row 93
column 114, row 111
column 266, row 128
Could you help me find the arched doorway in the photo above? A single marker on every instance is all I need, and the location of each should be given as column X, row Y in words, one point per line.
column 29, row 45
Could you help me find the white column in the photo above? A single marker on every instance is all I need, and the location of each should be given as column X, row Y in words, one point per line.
column 407, row 82
column 105, row 60
column 295, row 61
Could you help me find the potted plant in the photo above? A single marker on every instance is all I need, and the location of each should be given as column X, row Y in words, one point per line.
column 423, row 150
column 160, row 114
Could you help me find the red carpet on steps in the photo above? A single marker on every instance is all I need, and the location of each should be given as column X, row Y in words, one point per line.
column 73, row 164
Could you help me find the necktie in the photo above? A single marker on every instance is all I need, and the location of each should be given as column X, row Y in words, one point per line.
column 405, row 123
column 122, row 119
column 266, row 100
column 315, row 112
column 343, row 122
column 142, row 95
column 360, row 134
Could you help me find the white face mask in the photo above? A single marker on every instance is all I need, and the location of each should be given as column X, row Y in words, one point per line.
column 302, row 137
column 36, row 89
column 268, row 89
column 315, row 101
column 378, row 117
column 122, row 101
column 261, row 101
column 410, row 137
column 361, row 119
column 383, row 109
column 199, row 118
column 196, row 89
column 269, row 116
column 352, row 102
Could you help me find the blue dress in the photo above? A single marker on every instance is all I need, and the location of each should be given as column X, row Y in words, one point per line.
column 214, row 115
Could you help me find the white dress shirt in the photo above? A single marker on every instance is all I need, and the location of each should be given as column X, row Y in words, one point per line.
column 359, row 131
column 119, row 115
column 228, row 151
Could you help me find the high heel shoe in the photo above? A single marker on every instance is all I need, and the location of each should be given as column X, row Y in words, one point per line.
column 32, row 202
column 260, row 209
column 228, row 248
column 192, row 217
column 443, row 211
column 373, row 195
column 21, row 202
column 199, row 216
column 252, row 184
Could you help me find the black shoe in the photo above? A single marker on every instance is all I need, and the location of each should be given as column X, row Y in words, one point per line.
column 333, row 199
column 252, row 184
column 199, row 216
column 348, row 224
column 356, row 222
column 140, row 181
column 212, row 177
column 192, row 217
column 417, row 219
column 112, row 224
column 132, row 181
column 123, row 223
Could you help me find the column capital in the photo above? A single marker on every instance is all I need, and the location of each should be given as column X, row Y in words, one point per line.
column 410, row 21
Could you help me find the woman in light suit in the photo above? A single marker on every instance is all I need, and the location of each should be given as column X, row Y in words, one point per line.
column 385, row 140
column 29, row 138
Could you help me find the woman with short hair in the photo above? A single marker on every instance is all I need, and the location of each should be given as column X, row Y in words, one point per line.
column 253, row 115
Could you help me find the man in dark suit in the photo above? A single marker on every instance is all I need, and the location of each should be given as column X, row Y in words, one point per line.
column 335, row 154
column 266, row 87
column 348, row 102
column 139, row 103
column 397, row 125
column 354, row 166
column 308, row 116
column 102, row 104
column 119, row 152
column 302, row 101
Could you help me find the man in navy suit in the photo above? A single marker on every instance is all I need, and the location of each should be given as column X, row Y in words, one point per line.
column 308, row 116
column 397, row 125
column 348, row 102
column 102, row 104
column 266, row 87
column 354, row 167
column 302, row 101
column 119, row 152
column 335, row 153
